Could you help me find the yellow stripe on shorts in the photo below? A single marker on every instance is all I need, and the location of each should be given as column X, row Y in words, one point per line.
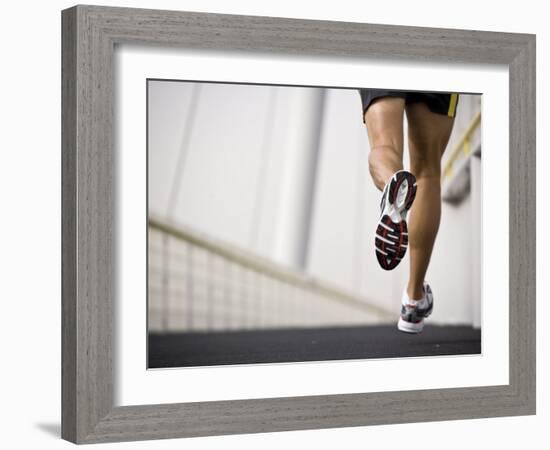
column 452, row 105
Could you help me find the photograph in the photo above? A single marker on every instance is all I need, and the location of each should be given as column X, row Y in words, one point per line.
column 292, row 224
column 275, row 225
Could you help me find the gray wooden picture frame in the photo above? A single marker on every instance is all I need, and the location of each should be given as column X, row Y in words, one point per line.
column 89, row 34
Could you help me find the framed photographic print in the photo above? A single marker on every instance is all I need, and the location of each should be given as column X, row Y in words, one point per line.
column 272, row 224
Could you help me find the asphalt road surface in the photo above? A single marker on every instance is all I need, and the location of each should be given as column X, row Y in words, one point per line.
column 318, row 344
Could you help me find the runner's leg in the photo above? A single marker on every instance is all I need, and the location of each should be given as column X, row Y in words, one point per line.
column 384, row 119
column 428, row 135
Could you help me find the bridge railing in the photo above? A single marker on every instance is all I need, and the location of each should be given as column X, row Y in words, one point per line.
column 196, row 283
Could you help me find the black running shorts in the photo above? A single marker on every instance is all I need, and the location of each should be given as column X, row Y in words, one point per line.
column 438, row 103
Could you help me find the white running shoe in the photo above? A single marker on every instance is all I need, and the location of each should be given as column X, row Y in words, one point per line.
column 413, row 312
column 392, row 236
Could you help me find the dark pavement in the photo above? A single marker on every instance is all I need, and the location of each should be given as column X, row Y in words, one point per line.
column 308, row 344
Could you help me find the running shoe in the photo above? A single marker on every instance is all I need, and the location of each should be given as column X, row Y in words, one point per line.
column 413, row 312
column 392, row 235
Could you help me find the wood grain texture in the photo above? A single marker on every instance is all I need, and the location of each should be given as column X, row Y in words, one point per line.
column 68, row 226
column 89, row 36
column 522, row 223
column 88, row 209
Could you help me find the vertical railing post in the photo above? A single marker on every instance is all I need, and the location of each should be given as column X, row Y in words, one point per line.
column 299, row 181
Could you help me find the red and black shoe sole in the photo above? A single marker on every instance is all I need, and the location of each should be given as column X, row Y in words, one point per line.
column 392, row 238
